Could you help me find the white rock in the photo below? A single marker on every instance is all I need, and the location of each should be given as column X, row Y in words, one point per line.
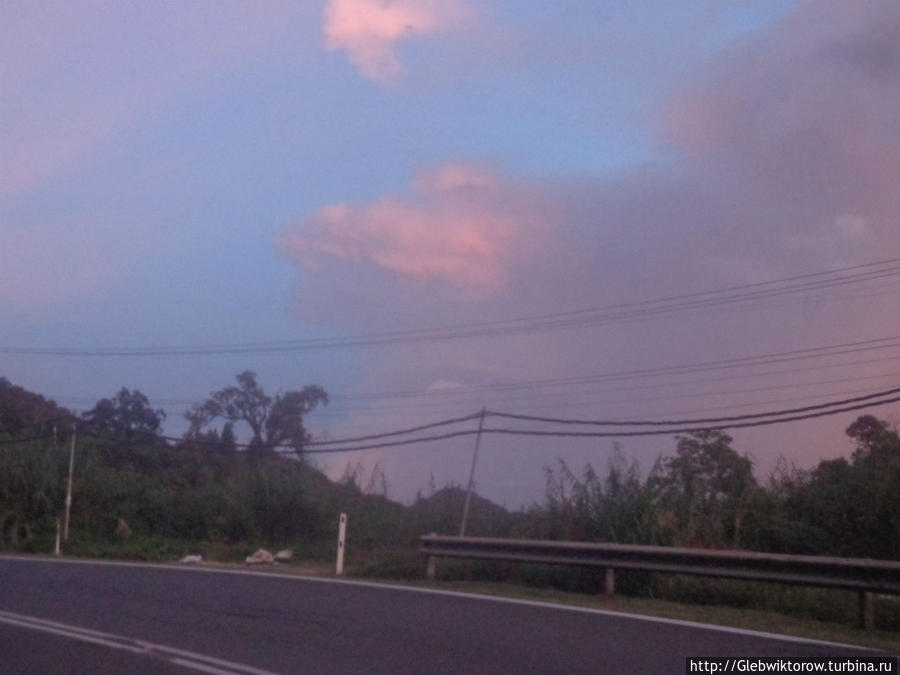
column 284, row 554
column 192, row 559
column 262, row 556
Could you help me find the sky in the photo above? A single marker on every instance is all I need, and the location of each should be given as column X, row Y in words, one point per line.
column 236, row 174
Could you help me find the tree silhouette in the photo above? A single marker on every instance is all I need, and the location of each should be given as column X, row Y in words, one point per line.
column 126, row 415
column 273, row 421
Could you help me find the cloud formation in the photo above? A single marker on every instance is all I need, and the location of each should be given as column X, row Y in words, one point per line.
column 369, row 30
column 462, row 226
column 71, row 82
column 786, row 157
column 804, row 119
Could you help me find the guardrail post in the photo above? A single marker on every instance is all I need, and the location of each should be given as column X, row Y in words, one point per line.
column 609, row 582
column 866, row 610
column 431, row 565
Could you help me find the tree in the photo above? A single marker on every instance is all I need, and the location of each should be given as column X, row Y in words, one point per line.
column 127, row 415
column 273, row 421
column 22, row 410
column 876, row 443
column 846, row 507
column 706, row 489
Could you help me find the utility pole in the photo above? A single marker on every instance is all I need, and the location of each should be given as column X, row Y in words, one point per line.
column 465, row 516
column 69, row 488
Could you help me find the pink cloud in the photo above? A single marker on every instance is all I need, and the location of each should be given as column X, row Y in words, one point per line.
column 75, row 75
column 461, row 226
column 789, row 161
column 804, row 118
column 369, row 30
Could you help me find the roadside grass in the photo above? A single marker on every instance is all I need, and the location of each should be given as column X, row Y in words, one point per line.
column 155, row 548
column 750, row 619
column 815, row 613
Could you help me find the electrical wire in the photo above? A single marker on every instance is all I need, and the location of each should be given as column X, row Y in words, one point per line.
column 826, row 351
column 399, row 432
column 708, row 420
column 663, row 306
column 770, row 358
column 709, row 424
column 666, row 432
column 734, row 422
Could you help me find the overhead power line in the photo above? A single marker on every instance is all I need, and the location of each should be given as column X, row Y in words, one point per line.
column 614, row 423
column 720, row 427
column 579, row 318
column 708, row 420
column 399, row 432
column 392, row 444
column 769, row 358
column 673, row 426
column 607, row 434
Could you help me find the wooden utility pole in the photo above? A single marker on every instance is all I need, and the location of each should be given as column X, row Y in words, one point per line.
column 465, row 515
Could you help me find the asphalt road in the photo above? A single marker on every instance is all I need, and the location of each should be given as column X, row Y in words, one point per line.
column 246, row 623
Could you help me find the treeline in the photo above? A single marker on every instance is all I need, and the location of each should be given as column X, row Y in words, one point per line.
column 153, row 500
column 138, row 493
column 707, row 495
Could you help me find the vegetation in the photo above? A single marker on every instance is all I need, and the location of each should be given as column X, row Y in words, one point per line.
column 140, row 495
column 272, row 421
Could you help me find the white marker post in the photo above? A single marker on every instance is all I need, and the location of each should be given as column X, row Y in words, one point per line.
column 342, row 537
column 69, row 487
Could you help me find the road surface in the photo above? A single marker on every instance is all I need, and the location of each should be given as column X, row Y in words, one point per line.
column 84, row 617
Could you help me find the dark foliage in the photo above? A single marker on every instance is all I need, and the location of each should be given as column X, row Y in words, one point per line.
column 273, row 421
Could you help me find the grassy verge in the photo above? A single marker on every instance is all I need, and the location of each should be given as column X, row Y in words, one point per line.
column 814, row 613
column 769, row 622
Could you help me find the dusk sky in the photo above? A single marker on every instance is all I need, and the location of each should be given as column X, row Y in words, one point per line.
column 243, row 174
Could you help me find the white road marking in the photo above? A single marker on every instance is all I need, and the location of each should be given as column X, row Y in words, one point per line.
column 70, row 634
column 202, row 668
column 182, row 657
column 455, row 594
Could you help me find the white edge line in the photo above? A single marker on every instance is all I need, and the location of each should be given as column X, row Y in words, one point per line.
column 234, row 667
column 139, row 645
column 201, row 667
column 73, row 634
column 453, row 594
column 134, row 645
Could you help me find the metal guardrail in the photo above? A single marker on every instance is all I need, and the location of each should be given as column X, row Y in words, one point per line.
column 862, row 575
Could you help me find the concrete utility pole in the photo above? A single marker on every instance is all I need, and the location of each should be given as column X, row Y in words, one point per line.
column 69, row 487
column 465, row 516
column 342, row 538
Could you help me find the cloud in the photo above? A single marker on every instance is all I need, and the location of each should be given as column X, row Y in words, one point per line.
column 462, row 226
column 443, row 385
column 76, row 75
column 852, row 227
column 787, row 152
column 369, row 30
column 805, row 118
